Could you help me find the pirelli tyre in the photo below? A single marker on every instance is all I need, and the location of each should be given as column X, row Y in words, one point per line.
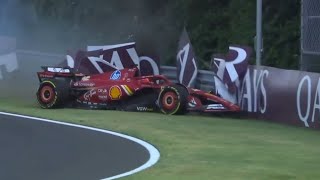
column 53, row 93
column 173, row 100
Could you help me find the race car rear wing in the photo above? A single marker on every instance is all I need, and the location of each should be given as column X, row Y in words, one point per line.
column 57, row 69
column 57, row 72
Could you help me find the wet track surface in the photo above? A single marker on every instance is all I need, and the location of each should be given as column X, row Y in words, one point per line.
column 35, row 150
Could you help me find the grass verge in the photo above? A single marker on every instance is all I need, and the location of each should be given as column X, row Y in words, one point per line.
column 203, row 147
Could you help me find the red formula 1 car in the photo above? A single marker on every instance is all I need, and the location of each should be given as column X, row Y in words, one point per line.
column 124, row 90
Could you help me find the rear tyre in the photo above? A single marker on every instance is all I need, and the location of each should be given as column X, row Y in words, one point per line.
column 53, row 93
column 173, row 100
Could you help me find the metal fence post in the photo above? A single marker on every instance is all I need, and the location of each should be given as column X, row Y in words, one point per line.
column 259, row 32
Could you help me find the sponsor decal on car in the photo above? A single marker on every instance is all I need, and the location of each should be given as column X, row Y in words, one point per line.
column 103, row 94
column 192, row 103
column 57, row 69
column 144, row 109
column 102, row 90
column 86, row 78
column 46, row 76
column 103, row 97
column 127, row 90
column 215, row 107
column 116, row 75
column 115, row 93
column 84, row 84
column 88, row 95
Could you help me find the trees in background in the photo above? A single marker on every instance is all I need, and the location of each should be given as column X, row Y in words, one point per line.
column 212, row 25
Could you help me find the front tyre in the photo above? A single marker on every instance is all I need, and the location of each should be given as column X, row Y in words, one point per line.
column 173, row 100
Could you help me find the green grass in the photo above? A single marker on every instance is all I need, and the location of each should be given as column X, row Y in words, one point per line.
column 203, row 147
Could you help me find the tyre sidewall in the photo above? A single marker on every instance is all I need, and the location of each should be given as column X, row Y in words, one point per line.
column 161, row 96
column 54, row 102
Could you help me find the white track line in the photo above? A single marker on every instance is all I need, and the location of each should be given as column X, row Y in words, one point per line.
column 154, row 153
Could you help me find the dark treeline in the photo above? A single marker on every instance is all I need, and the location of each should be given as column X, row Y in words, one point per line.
column 212, row 25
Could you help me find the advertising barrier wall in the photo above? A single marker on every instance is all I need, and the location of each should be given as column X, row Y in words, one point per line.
column 279, row 95
column 287, row 96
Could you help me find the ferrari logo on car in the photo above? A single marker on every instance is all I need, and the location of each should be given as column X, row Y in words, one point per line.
column 115, row 92
column 192, row 103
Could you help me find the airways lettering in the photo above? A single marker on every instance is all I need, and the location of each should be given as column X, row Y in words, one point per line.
column 118, row 57
column 183, row 57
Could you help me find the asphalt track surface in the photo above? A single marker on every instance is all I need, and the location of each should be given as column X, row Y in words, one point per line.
column 34, row 148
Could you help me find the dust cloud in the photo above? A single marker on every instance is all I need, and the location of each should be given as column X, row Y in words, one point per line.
column 62, row 28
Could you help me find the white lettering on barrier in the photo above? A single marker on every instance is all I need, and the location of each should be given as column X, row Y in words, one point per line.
column 316, row 104
column 242, row 56
column 70, row 61
column 224, row 65
column 264, row 92
column 115, row 61
column 134, row 56
column 252, row 97
column 306, row 82
column 256, row 84
column 153, row 64
column 95, row 60
column 246, row 85
column 183, row 60
column 304, row 118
